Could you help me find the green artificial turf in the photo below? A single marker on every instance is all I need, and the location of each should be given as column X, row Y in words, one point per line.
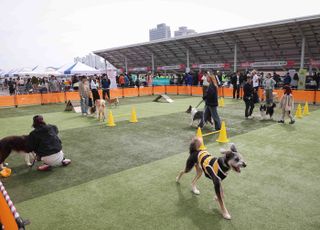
column 278, row 190
column 97, row 150
column 123, row 176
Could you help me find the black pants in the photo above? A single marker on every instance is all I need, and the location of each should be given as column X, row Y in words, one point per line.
column 236, row 88
column 249, row 107
column 104, row 92
column 210, row 112
column 95, row 95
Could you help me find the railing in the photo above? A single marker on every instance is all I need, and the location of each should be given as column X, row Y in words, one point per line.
column 312, row 96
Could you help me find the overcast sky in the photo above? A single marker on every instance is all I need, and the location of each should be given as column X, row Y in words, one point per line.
column 53, row 32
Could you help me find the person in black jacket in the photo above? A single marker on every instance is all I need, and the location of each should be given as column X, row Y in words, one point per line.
column 211, row 99
column 46, row 144
column 105, row 84
column 236, row 82
column 248, row 92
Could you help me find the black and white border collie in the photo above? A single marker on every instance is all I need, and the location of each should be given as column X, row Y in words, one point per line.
column 267, row 110
column 195, row 115
column 17, row 144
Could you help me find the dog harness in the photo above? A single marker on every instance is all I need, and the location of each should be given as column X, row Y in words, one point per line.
column 210, row 165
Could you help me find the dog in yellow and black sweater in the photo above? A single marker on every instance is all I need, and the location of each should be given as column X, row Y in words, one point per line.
column 214, row 168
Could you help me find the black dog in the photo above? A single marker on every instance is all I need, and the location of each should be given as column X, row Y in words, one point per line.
column 267, row 110
column 18, row 144
column 215, row 168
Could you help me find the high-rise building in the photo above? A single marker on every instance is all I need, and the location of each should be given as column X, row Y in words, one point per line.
column 93, row 61
column 183, row 31
column 161, row 32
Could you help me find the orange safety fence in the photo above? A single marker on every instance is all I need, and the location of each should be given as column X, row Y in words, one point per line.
column 196, row 90
column 300, row 96
column 28, row 99
column 116, row 92
column 184, row 90
column 6, row 101
column 130, row 92
column 172, row 89
column 72, row 96
column 159, row 89
column 144, row 91
column 226, row 92
column 316, row 96
column 50, row 98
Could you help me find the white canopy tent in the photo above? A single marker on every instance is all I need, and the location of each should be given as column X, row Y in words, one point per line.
column 78, row 68
column 2, row 72
column 42, row 71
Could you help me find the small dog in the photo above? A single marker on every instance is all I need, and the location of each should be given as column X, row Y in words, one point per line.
column 112, row 101
column 100, row 107
column 215, row 168
column 267, row 110
column 195, row 115
column 18, row 144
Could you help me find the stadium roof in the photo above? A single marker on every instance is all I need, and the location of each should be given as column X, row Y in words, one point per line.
column 266, row 42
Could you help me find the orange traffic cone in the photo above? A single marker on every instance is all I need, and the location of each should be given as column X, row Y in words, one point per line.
column 223, row 134
column 133, row 118
column 110, row 122
column 199, row 135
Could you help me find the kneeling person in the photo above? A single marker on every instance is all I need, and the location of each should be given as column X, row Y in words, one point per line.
column 46, row 144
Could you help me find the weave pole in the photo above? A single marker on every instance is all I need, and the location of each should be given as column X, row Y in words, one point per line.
column 20, row 224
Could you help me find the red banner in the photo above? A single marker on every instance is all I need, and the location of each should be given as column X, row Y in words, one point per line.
column 314, row 62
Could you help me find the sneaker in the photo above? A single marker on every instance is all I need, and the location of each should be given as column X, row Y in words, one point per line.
column 250, row 117
column 281, row 121
column 292, row 122
column 44, row 167
column 66, row 162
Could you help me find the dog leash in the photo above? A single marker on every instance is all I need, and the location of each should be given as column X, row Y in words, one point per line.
column 199, row 103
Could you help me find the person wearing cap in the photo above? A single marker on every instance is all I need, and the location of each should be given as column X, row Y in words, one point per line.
column 46, row 144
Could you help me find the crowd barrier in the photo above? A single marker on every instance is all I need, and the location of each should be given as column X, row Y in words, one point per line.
column 312, row 96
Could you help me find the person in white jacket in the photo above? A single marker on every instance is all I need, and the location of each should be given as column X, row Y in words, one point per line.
column 287, row 105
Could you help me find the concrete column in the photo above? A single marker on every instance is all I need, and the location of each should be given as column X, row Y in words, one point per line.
column 188, row 60
column 152, row 63
column 302, row 52
column 126, row 64
column 235, row 58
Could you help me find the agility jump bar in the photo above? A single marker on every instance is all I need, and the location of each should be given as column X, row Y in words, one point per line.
column 207, row 134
